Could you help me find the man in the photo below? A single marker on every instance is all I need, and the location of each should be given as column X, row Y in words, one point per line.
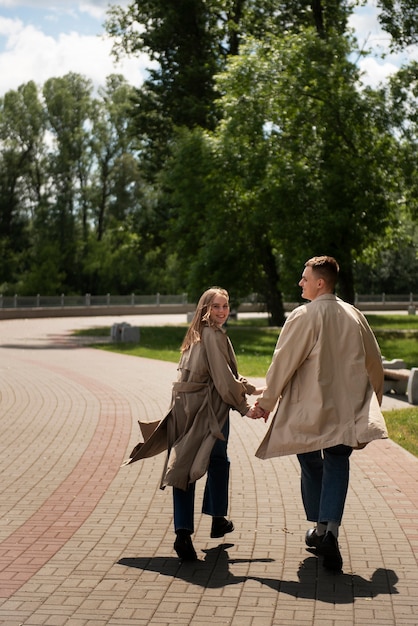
column 327, row 375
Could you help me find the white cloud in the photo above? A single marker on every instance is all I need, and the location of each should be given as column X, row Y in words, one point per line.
column 380, row 63
column 97, row 11
column 29, row 54
column 367, row 29
column 376, row 72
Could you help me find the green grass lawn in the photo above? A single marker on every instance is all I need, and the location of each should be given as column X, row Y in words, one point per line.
column 254, row 341
column 397, row 336
column 254, row 344
column 402, row 425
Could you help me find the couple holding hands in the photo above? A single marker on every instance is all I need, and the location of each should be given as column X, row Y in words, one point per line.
column 324, row 388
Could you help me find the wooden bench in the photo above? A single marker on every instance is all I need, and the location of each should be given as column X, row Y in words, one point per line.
column 396, row 380
column 396, row 376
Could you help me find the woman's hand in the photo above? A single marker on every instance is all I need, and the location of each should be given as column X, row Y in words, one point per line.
column 256, row 412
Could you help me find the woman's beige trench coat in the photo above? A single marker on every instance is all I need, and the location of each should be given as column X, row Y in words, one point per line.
column 208, row 386
column 327, row 371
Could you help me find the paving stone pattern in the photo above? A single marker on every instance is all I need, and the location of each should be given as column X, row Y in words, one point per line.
column 84, row 542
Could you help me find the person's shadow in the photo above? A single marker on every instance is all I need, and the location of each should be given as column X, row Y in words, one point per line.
column 312, row 582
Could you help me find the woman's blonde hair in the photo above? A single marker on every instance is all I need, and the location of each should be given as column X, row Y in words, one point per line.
column 201, row 317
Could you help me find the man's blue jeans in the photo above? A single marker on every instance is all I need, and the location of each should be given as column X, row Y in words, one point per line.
column 324, row 483
column 215, row 497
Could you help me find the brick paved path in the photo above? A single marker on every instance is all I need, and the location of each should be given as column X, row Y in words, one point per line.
column 85, row 542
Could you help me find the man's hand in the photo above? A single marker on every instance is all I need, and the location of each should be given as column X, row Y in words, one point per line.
column 256, row 412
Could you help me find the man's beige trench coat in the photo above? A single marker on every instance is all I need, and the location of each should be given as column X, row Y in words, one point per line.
column 208, row 386
column 327, row 371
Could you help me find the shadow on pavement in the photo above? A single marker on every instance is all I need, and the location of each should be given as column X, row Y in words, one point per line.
column 313, row 582
column 58, row 342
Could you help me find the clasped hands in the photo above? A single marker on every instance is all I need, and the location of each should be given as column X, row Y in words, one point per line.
column 256, row 412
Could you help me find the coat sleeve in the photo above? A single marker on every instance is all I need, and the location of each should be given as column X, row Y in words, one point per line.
column 373, row 358
column 230, row 387
column 295, row 342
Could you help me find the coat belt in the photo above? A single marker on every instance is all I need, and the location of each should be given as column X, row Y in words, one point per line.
column 192, row 387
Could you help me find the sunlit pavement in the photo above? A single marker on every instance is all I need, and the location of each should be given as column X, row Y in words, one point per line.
column 83, row 541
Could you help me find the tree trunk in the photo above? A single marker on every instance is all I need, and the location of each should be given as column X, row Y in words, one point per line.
column 345, row 286
column 318, row 16
column 272, row 294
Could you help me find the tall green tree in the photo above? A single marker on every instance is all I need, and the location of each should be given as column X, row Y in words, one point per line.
column 302, row 164
column 179, row 37
column 329, row 173
column 190, row 41
column 22, row 127
column 68, row 102
column 402, row 109
column 114, row 254
column 116, row 178
column 72, row 195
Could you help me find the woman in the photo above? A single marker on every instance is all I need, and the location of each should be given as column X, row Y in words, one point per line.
column 195, row 431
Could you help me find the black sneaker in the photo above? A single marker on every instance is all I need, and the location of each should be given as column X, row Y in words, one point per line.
column 184, row 547
column 220, row 527
column 331, row 553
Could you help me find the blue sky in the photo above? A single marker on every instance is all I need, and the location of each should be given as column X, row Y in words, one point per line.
column 40, row 39
column 51, row 20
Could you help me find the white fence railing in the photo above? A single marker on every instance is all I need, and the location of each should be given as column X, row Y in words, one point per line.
column 384, row 298
column 87, row 305
column 157, row 299
column 87, row 300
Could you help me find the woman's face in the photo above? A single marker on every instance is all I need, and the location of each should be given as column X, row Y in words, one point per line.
column 219, row 310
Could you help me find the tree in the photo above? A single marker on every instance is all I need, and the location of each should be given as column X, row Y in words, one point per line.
column 69, row 108
column 390, row 267
column 115, row 179
column 401, row 96
column 400, row 19
column 332, row 192
column 190, row 41
column 301, row 164
column 22, row 127
column 181, row 44
column 73, row 202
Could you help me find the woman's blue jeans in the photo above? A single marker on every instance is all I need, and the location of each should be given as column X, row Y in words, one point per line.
column 215, row 497
column 324, row 483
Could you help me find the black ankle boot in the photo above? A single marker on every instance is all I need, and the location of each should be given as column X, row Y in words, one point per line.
column 331, row 553
column 184, row 547
column 220, row 527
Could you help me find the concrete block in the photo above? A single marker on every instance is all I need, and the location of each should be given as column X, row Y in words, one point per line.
column 130, row 334
column 116, row 331
column 412, row 389
column 395, row 364
column 122, row 331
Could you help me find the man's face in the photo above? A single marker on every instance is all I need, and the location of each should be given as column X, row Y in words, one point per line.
column 309, row 284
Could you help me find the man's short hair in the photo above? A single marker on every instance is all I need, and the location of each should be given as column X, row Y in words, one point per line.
column 325, row 267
